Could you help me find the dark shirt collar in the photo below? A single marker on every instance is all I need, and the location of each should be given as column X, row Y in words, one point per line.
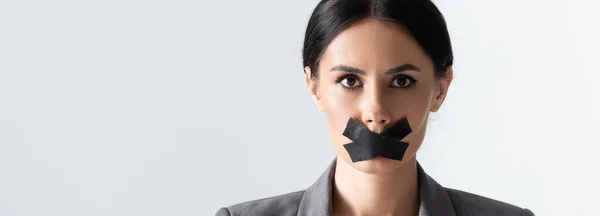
column 317, row 198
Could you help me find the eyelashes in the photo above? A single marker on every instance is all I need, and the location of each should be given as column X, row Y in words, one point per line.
column 348, row 81
column 403, row 81
column 351, row 82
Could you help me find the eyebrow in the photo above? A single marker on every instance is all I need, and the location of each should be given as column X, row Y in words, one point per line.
column 397, row 69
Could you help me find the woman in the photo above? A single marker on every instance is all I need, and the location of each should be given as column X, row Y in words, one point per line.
column 376, row 68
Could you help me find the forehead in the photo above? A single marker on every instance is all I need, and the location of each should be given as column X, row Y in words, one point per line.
column 373, row 44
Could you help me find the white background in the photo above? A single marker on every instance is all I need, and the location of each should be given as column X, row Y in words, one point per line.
column 181, row 107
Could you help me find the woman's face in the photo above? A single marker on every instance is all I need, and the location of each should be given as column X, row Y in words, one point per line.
column 376, row 73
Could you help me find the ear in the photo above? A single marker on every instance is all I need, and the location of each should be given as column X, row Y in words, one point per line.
column 443, row 85
column 313, row 88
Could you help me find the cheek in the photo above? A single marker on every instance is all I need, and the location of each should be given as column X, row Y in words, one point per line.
column 418, row 122
column 417, row 113
column 339, row 106
column 413, row 104
column 416, row 108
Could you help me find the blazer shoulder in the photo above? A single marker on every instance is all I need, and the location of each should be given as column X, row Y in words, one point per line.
column 280, row 205
column 467, row 204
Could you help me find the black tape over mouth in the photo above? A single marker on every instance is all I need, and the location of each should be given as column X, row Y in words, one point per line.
column 367, row 145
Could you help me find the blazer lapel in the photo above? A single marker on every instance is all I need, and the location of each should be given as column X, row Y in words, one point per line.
column 317, row 198
column 434, row 199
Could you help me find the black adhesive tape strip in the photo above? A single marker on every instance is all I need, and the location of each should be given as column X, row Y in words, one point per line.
column 366, row 145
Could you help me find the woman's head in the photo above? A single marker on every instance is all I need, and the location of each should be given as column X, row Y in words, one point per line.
column 377, row 62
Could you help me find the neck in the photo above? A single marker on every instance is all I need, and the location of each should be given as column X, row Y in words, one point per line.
column 359, row 193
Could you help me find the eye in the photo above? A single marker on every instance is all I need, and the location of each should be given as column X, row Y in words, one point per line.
column 403, row 81
column 349, row 81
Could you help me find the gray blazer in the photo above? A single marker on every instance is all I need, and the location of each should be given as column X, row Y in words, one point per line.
column 316, row 201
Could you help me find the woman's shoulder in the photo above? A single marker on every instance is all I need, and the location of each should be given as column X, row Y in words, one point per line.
column 466, row 203
column 284, row 204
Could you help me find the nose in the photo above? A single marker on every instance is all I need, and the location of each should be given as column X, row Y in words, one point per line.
column 375, row 114
column 376, row 121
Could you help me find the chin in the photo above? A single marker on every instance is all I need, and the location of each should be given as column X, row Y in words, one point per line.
column 377, row 165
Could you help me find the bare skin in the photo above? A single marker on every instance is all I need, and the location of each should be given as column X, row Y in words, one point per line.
column 377, row 100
